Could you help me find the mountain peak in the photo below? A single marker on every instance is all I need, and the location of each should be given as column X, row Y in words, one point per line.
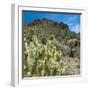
column 49, row 22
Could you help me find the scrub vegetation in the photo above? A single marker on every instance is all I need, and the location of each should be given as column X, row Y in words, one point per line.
column 50, row 49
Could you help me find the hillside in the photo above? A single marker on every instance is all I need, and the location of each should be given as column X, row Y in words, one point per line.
column 43, row 31
column 45, row 28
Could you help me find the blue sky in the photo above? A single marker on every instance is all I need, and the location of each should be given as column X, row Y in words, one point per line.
column 73, row 20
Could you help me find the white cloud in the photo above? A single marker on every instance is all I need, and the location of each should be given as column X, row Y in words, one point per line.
column 73, row 17
column 75, row 28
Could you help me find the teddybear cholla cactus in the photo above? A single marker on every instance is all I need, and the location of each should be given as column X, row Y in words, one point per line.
column 43, row 59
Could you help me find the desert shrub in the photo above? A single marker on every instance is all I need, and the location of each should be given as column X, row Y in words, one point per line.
column 43, row 59
column 75, row 47
column 65, row 50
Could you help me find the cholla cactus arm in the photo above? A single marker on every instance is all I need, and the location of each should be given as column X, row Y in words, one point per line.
column 43, row 59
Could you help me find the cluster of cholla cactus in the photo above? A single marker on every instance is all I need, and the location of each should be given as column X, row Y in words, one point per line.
column 43, row 59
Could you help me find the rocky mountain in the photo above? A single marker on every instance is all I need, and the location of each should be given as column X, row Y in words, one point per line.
column 45, row 28
column 69, row 42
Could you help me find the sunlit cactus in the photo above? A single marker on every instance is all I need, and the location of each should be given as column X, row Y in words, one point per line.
column 43, row 59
